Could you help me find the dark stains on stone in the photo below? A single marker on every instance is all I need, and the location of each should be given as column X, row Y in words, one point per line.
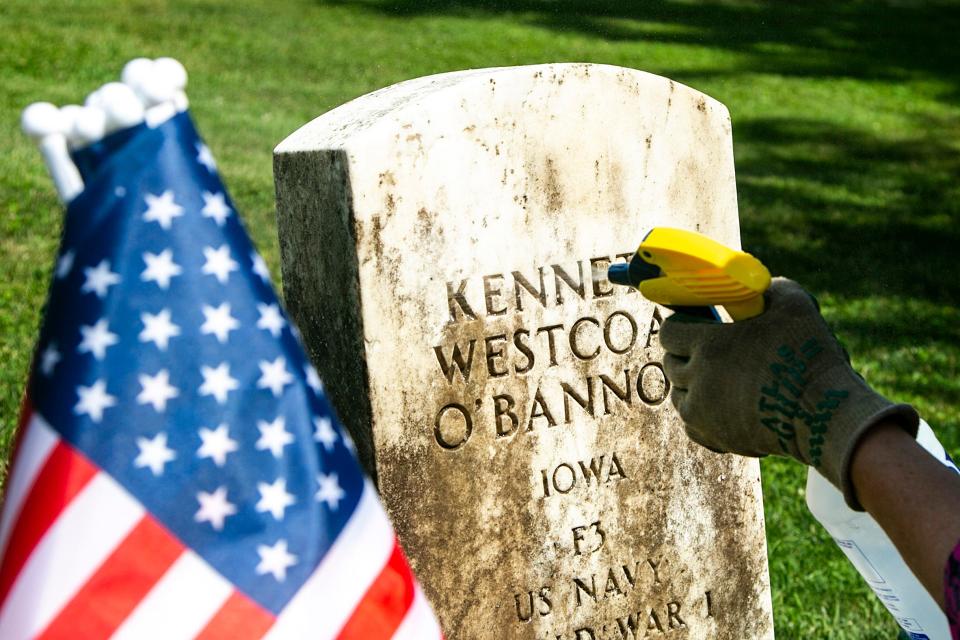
column 425, row 224
column 376, row 241
column 386, row 178
column 553, row 190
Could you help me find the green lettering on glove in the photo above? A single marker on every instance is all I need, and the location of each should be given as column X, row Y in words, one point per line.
column 778, row 383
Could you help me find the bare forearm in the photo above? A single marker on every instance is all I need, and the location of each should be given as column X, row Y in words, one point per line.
column 914, row 498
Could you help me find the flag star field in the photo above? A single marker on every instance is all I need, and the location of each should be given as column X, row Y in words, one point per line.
column 167, row 361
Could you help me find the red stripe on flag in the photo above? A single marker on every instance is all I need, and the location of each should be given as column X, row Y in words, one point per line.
column 385, row 603
column 118, row 586
column 64, row 475
column 239, row 618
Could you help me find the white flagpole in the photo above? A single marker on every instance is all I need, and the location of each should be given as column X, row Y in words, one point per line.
column 48, row 126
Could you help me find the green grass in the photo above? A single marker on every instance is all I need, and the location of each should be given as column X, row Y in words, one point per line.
column 847, row 142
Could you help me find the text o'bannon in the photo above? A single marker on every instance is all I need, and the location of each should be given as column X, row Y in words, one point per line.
column 554, row 404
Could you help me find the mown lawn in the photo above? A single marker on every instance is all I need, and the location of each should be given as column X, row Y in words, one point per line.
column 847, row 142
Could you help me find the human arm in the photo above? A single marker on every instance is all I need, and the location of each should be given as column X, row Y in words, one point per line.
column 757, row 387
column 913, row 497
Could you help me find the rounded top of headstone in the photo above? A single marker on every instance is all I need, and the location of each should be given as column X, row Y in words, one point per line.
column 496, row 89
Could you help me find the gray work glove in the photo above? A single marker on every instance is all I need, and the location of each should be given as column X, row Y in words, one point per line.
column 776, row 383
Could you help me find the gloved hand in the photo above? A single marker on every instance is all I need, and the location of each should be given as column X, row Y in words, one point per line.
column 776, row 383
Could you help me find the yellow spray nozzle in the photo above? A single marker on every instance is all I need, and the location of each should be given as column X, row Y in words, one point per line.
column 679, row 268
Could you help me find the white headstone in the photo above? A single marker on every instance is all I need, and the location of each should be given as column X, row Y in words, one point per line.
column 445, row 243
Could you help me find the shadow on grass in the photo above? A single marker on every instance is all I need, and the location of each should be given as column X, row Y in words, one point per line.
column 822, row 38
column 874, row 225
column 851, row 214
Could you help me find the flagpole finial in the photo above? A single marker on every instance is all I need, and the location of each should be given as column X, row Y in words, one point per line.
column 151, row 90
column 159, row 84
column 89, row 125
column 120, row 105
column 175, row 75
column 48, row 126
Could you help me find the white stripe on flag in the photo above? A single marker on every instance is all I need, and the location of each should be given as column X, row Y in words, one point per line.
column 38, row 441
column 328, row 597
column 181, row 603
column 78, row 542
column 419, row 624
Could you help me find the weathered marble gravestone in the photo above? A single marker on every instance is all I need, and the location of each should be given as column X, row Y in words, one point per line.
column 445, row 244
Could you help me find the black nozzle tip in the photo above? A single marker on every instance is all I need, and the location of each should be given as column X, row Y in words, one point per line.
column 620, row 274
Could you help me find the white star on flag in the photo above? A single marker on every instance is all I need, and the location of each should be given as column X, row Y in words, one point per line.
column 260, row 266
column 273, row 436
column 93, row 400
column 215, row 206
column 162, row 209
column 49, row 359
column 157, row 390
column 275, row 560
column 218, row 321
column 217, row 443
column 205, row 157
column 160, row 268
column 96, row 339
column 214, row 508
column 154, row 453
column 65, row 264
column 219, row 263
column 274, row 498
column 158, row 329
column 99, row 279
column 270, row 319
column 313, row 378
column 329, row 491
column 274, row 375
column 324, row 433
column 217, row 382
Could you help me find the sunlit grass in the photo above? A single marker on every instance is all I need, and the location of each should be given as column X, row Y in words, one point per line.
column 847, row 142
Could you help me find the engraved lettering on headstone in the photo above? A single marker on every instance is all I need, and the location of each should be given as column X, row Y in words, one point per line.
column 531, row 603
column 592, row 473
column 453, row 426
column 455, row 298
column 597, row 536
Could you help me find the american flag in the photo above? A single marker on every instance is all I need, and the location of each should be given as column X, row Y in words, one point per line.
column 179, row 470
